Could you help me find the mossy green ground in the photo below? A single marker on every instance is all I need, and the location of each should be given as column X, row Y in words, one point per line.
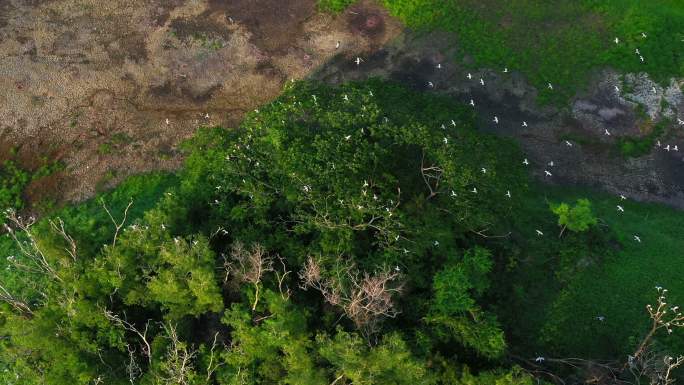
column 561, row 319
column 558, row 41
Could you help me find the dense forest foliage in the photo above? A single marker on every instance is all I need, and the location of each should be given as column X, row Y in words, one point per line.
column 364, row 234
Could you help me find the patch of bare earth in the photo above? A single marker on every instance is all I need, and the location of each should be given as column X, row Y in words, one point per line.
column 111, row 88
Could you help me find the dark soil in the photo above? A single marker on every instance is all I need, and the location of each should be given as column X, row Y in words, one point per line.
column 275, row 24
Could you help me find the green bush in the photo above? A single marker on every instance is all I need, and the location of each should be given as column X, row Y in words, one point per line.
column 335, row 6
column 12, row 183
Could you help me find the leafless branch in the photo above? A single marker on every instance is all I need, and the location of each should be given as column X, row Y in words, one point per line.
column 58, row 227
column 117, row 225
column 19, row 304
column 432, row 175
column 212, row 366
column 146, row 350
column 280, row 276
column 29, row 247
column 132, row 368
column 177, row 367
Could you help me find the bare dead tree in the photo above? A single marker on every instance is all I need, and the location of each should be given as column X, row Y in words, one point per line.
column 117, row 225
column 142, row 334
column 364, row 298
column 177, row 365
column 248, row 266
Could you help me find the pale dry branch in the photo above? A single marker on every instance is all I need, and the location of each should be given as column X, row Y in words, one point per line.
column 117, row 225
column 177, row 367
column 58, row 227
column 18, row 304
column 212, row 366
column 29, row 247
column 364, row 298
column 248, row 266
column 142, row 334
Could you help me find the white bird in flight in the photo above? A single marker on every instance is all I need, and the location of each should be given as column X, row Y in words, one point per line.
column 445, row 140
column 484, row 170
column 167, row 121
column 606, row 132
column 539, row 359
column 508, row 193
column 474, row 190
column 472, row 102
column 431, row 85
column 453, row 193
column 547, row 173
column 526, row 162
column 622, row 197
column 524, row 124
column 600, row 318
column 675, row 148
column 347, row 137
column 641, row 58
column 567, row 143
column 505, row 70
column 470, row 76
column 550, row 86
column 643, row 34
column 539, row 233
column 496, row 120
column 637, row 238
column 439, row 66
column 346, row 97
column 358, row 61
column 482, row 81
column 620, row 209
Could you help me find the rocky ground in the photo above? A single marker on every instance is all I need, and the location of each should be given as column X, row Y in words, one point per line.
column 112, row 88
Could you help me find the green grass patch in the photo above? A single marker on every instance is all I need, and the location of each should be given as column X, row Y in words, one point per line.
column 559, row 42
column 334, row 6
column 556, row 314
